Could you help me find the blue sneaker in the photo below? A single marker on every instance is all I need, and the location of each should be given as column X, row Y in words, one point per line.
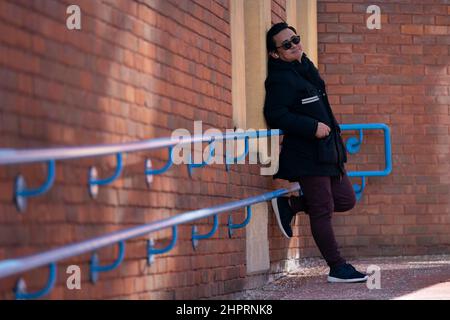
column 284, row 215
column 346, row 273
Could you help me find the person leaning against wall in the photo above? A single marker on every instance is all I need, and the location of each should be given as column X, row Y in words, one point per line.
column 312, row 151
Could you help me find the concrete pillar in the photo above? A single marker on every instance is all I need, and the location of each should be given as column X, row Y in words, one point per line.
column 250, row 20
column 302, row 15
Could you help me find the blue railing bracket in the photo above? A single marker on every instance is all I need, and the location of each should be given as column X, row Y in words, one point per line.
column 232, row 160
column 92, row 176
column 196, row 236
column 359, row 188
column 150, row 172
column 21, row 193
column 19, row 186
column 96, row 268
column 94, row 182
column 212, row 150
column 151, row 251
column 353, row 145
column 232, row 226
column 20, row 290
column 148, row 168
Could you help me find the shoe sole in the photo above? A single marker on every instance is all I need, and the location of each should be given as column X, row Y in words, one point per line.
column 338, row 280
column 277, row 214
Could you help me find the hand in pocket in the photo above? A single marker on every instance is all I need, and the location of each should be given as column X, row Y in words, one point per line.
column 326, row 150
column 322, row 130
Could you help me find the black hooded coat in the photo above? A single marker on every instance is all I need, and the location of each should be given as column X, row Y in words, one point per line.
column 296, row 100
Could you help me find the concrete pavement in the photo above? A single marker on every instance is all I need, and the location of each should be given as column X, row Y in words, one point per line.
column 404, row 278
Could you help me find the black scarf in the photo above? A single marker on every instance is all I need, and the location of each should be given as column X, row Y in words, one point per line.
column 307, row 70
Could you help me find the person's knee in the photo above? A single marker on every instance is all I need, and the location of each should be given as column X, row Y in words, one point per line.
column 351, row 204
column 347, row 204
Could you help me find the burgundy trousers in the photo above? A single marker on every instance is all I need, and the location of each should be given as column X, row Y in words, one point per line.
column 323, row 195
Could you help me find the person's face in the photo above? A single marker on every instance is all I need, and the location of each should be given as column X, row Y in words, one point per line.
column 288, row 55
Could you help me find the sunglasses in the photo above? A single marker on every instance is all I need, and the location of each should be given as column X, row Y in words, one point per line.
column 287, row 44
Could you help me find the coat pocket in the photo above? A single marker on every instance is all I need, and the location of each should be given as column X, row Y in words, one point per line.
column 326, row 150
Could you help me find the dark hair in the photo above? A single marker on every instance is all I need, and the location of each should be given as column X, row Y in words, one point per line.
column 274, row 30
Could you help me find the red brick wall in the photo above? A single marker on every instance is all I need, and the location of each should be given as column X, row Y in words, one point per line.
column 398, row 75
column 136, row 70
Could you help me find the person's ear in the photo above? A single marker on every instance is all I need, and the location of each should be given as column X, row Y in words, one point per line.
column 274, row 55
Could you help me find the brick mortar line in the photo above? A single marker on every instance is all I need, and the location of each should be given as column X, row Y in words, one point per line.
column 120, row 81
column 164, row 14
column 213, row 13
column 114, row 115
column 45, row 14
column 33, row 32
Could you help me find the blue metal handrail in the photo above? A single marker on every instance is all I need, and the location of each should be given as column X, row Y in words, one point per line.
column 353, row 146
column 13, row 156
column 10, row 156
column 17, row 156
column 21, row 193
column 14, row 266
